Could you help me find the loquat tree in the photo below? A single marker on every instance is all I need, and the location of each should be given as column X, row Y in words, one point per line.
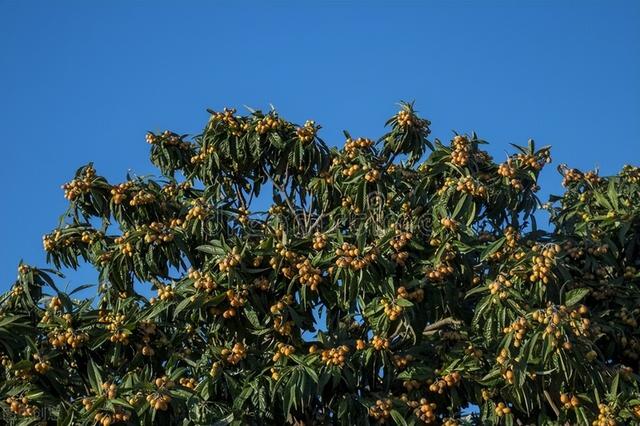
column 398, row 281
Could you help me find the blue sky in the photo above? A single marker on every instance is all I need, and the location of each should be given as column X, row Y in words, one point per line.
column 84, row 81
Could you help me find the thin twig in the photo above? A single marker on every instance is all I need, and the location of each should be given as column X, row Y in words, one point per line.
column 286, row 198
column 434, row 327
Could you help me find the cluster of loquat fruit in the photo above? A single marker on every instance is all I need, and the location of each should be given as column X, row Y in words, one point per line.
column 335, row 356
column 406, row 119
column 468, row 185
column 352, row 146
column 236, row 301
column 81, row 185
column 167, row 138
column 119, row 192
column 198, row 211
column 439, row 272
column 234, row 355
column 519, row 328
column 308, row 275
column 165, row 292
column 202, row 155
column 142, row 198
column 400, row 239
column 447, row 381
column 502, row 409
column 261, row 283
column 460, row 150
column 230, row 261
column 391, row 309
column 21, row 406
column 449, row 224
column 497, row 286
column 543, row 262
column 381, row 411
column 42, row 365
column 416, row 295
column 349, row 256
column 108, row 418
column 188, row 382
column 282, row 351
column 115, row 327
column 148, row 330
column 319, row 241
column 67, row 338
column 424, row 410
column 307, row 132
column 202, row 281
column 268, row 123
column 401, row 361
column 156, row 233
column 282, row 327
column 569, row 401
column 380, row 343
column 555, row 316
column 125, row 246
column 606, row 416
column 235, row 125
column 286, row 300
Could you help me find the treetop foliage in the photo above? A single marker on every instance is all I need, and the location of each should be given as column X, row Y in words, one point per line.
column 400, row 280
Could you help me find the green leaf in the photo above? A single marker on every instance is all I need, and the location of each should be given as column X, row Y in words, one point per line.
column 574, row 296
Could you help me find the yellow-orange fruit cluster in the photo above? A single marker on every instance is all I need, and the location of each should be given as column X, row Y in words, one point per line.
column 21, row 406
column 380, row 343
column 308, row 275
column 67, row 338
column 381, row 411
column 460, row 150
column 202, row 281
column 350, row 257
column 416, row 295
column 335, row 356
column 188, row 382
column 230, row 261
column 606, row 416
column 142, row 198
column 351, row 146
column 199, row 210
column 283, row 303
column 424, row 410
column 447, row 381
column 234, row 124
column 267, row 124
column 501, row 409
column 519, row 328
column 307, row 132
column 165, row 292
column 119, row 192
column 391, row 310
column 569, row 401
column 201, row 156
column 543, row 263
column 283, row 350
column 80, row 185
column 319, row 241
column 110, row 390
column 468, row 185
column 449, row 224
column 402, row 361
column 234, row 355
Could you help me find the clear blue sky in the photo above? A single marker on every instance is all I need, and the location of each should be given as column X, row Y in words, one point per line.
column 83, row 81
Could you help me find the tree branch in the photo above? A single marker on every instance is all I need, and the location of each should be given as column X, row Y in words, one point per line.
column 436, row 326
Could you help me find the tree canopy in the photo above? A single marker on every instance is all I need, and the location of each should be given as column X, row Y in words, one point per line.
column 402, row 280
